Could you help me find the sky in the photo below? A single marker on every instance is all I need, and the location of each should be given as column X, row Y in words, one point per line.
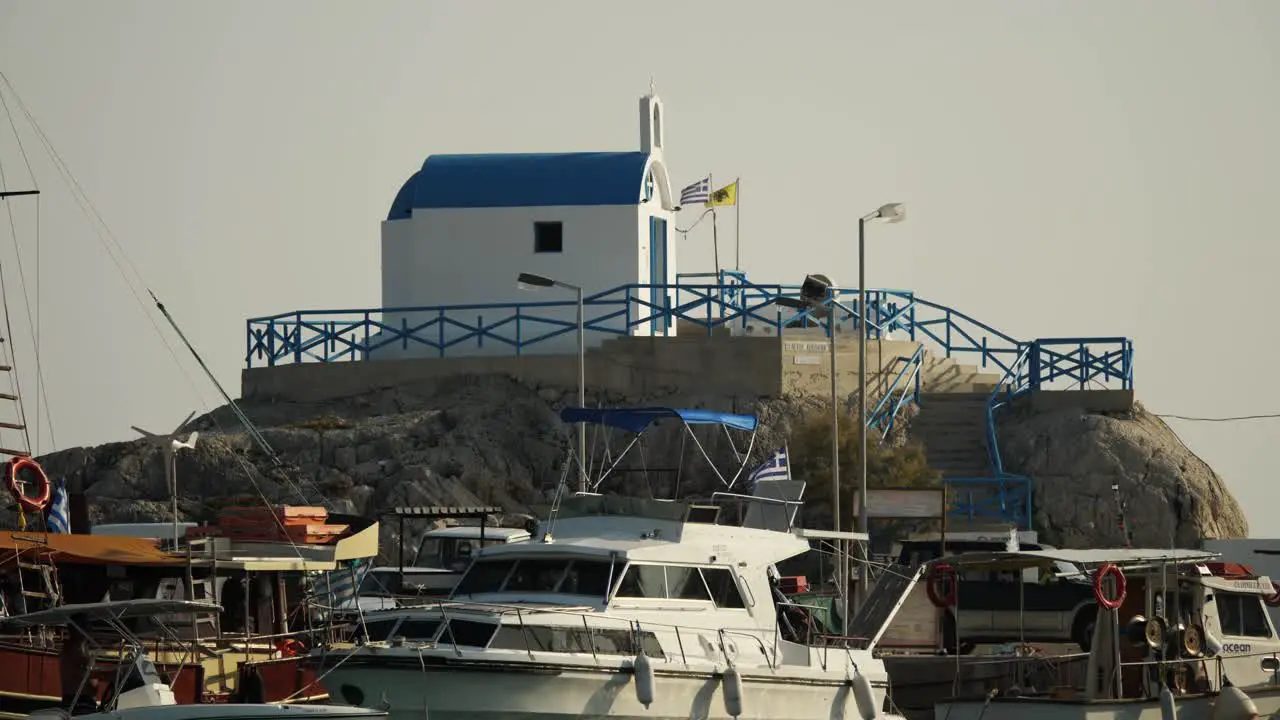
column 1084, row 168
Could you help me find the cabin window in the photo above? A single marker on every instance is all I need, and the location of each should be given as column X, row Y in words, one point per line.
column 601, row 641
column 1242, row 615
column 485, row 576
column 681, row 583
column 418, row 630
column 548, row 237
column 377, row 631
column 536, row 575
column 644, row 581
column 468, row 632
column 685, row 583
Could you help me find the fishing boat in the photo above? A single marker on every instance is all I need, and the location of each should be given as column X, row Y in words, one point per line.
column 623, row 608
column 130, row 686
column 266, row 581
column 1176, row 631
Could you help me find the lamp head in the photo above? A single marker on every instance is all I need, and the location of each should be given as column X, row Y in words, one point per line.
column 529, row 281
column 892, row 213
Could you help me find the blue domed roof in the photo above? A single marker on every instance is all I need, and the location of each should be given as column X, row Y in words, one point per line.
column 523, row 180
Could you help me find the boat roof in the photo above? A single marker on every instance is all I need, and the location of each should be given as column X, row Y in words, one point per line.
column 472, row 532
column 1047, row 557
column 80, row 549
column 112, row 610
column 637, row 419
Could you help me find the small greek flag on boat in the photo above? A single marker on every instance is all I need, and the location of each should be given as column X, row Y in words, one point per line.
column 698, row 192
column 336, row 588
column 776, row 467
column 59, row 520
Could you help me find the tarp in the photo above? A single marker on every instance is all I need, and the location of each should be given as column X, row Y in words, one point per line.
column 637, row 419
column 81, row 549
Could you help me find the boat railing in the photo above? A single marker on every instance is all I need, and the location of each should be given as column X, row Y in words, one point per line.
column 1189, row 665
column 769, row 646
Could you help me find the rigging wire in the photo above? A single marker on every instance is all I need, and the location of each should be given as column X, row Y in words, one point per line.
column 1235, row 418
column 120, row 258
column 42, row 399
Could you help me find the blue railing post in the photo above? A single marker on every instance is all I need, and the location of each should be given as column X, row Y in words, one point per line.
column 440, row 330
column 1033, row 365
column 297, row 337
column 519, row 343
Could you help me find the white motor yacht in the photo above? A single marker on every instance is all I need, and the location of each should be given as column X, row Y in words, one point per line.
column 622, row 608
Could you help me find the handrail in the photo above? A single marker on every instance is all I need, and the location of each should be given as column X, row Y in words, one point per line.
column 1010, row 375
column 878, row 417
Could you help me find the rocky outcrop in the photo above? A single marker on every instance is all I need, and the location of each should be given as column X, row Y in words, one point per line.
column 494, row 441
column 1172, row 497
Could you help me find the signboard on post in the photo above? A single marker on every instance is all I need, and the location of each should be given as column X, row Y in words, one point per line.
column 920, row 504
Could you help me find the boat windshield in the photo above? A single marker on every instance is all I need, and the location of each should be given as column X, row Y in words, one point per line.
column 536, row 575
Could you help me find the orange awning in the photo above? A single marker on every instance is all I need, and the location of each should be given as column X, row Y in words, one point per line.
column 58, row 548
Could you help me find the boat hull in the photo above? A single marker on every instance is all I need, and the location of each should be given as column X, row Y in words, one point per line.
column 1194, row 707
column 507, row 691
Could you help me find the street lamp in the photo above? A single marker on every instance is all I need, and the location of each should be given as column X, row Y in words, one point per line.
column 529, row 281
column 812, row 292
column 889, row 213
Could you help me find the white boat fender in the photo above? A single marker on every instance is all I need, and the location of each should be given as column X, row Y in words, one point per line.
column 1233, row 704
column 1168, row 706
column 733, row 692
column 643, row 670
column 864, row 698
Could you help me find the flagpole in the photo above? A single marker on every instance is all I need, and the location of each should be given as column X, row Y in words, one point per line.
column 737, row 224
column 715, row 235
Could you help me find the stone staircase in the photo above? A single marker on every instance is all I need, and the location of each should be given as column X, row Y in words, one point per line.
column 953, row 427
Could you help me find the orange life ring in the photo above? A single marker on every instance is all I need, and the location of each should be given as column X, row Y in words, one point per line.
column 1274, row 598
column 32, row 504
column 290, row 647
column 940, row 575
column 1100, row 591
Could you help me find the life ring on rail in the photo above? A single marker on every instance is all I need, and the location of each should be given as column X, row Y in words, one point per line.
column 942, row 585
column 1100, row 589
column 33, row 504
column 290, row 647
column 1274, row 598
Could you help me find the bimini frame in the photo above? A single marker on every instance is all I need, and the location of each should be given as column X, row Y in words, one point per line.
column 638, row 420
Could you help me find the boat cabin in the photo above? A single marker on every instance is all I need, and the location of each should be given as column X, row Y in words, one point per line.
column 1162, row 617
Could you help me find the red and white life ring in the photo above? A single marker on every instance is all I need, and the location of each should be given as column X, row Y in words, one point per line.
column 942, row 587
column 36, row 503
column 290, row 647
column 1274, row 598
column 1100, row 588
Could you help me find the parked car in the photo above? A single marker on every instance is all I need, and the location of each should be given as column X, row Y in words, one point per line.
column 1058, row 607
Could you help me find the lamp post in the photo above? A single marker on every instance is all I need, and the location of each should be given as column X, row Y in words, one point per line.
column 814, row 289
column 889, row 213
column 529, row 281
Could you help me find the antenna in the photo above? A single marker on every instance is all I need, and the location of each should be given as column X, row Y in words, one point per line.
column 170, row 445
column 652, row 91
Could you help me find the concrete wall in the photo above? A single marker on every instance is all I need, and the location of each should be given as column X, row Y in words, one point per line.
column 690, row 365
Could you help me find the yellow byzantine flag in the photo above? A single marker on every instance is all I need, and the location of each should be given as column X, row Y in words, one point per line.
column 727, row 195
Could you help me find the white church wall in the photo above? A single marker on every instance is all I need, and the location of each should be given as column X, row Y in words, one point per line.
column 472, row 256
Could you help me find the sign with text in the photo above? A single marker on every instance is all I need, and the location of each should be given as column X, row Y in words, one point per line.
column 923, row 503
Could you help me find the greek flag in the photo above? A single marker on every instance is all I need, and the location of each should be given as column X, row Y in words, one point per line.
column 336, row 588
column 59, row 520
column 699, row 192
column 774, row 468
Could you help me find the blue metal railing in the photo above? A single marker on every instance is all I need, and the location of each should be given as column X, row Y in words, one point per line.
column 730, row 301
column 905, row 386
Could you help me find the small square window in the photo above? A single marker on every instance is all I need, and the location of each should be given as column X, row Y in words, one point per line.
column 548, row 237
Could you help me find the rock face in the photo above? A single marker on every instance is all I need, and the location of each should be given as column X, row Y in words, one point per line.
column 489, row 440
column 1172, row 497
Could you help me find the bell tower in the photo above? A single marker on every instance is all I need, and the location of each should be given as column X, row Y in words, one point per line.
column 652, row 122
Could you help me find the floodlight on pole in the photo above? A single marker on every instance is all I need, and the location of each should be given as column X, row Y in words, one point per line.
column 530, row 281
column 170, row 445
column 887, row 213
